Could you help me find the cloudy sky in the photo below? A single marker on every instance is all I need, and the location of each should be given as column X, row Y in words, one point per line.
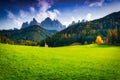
column 14, row 12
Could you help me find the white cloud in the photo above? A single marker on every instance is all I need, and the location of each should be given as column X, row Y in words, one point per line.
column 32, row 10
column 10, row 15
column 44, row 12
column 67, row 23
column 53, row 14
column 70, row 20
column 44, row 5
column 88, row 17
column 41, row 16
column 17, row 21
column 22, row 14
column 99, row 3
column 57, row 11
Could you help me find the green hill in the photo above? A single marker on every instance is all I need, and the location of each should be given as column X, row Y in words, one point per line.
column 89, row 62
column 28, row 35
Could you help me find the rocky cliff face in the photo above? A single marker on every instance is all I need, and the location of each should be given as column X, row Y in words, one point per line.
column 26, row 24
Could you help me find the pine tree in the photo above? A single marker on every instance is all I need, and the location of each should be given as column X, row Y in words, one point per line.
column 109, row 36
column 118, row 30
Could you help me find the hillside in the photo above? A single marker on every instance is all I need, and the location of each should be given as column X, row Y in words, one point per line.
column 63, row 63
column 86, row 32
column 5, row 40
column 30, row 34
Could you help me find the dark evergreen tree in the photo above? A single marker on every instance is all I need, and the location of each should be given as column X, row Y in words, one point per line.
column 118, row 29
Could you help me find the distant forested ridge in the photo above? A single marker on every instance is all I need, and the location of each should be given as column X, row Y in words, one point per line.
column 28, row 36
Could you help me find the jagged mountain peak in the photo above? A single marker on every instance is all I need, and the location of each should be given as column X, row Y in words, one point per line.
column 33, row 22
column 52, row 24
column 48, row 19
column 26, row 24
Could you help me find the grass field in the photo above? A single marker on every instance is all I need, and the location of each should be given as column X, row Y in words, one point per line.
column 89, row 62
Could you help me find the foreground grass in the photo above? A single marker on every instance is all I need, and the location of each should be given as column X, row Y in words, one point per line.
column 91, row 62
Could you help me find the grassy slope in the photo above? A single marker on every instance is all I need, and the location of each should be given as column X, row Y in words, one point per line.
column 91, row 62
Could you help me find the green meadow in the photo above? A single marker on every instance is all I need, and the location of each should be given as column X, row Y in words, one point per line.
column 84, row 62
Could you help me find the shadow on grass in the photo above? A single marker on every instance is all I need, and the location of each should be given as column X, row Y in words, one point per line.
column 105, row 46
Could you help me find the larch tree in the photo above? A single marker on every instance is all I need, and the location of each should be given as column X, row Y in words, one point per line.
column 99, row 40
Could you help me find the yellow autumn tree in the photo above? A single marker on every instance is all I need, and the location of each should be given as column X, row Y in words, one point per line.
column 99, row 40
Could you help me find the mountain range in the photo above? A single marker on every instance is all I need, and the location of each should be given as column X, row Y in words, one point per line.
column 48, row 24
